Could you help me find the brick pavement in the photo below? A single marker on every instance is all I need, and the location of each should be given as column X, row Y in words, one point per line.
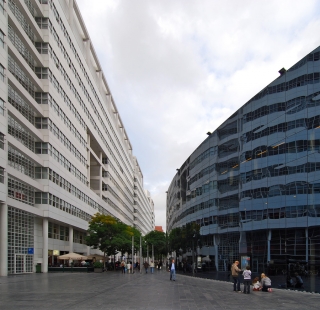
column 113, row 290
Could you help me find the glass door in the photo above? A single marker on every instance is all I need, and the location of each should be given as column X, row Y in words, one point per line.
column 23, row 263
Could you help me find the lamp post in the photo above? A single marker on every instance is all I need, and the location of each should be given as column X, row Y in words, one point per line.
column 132, row 253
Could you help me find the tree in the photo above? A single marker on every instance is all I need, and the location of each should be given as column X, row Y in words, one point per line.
column 158, row 240
column 103, row 233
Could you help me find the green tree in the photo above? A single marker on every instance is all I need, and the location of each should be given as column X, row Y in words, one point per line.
column 103, row 233
column 158, row 240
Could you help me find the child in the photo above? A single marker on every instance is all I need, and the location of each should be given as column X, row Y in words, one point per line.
column 256, row 284
column 247, row 280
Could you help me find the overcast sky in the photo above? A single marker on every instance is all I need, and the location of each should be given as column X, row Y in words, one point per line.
column 178, row 68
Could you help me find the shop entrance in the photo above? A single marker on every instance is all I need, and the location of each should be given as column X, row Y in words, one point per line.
column 23, row 263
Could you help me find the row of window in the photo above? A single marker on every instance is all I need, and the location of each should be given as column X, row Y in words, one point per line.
column 306, row 123
column 302, row 80
column 47, row 173
column 106, row 187
column 47, row 148
column 22, row 49
column 116, row 208
column 274, row 171
column 20, row 162
column 60, row 90
column 20, row 133
column 21, row 19
column 108, row 175
column 293, row 147
column 60, row 232
column 78, row 97
column 84, row 72
column 62, row 137
column 291, row 106
column 282, row 212
column 21, row 191
column 290, row 189
column 47, row 198
column 22, row 106
column 310, row 57
column 206, row 154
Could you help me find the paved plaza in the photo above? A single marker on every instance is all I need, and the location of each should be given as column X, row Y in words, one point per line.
column 113, row 290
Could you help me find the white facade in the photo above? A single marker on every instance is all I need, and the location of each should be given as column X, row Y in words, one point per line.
column 64, row 152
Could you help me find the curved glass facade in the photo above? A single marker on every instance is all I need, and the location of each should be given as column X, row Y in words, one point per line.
column 253, row 185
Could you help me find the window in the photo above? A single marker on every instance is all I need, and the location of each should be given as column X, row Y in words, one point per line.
column 1, row 107
column 1, row 72
column 42, row 73
column 1, row 175
column 1, row 140
column 42, row 47
column 2, row 6
column 41, row 122
column 1, row 38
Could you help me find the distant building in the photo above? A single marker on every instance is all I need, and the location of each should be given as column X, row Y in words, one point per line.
column 64, row 152
column 253, row 185
column 158, row 228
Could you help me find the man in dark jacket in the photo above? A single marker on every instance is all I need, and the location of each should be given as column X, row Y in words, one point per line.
column 146, row 266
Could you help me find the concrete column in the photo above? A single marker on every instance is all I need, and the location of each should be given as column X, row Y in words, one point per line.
column 3, row 239
column 70, row 19
column 70, row 239
column 269, row 239
column 88, row 45
column 307, row 244
column 45, row 228
column 216, row 252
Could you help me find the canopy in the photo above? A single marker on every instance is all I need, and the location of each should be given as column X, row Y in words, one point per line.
column 73, row 256
column 96, row 256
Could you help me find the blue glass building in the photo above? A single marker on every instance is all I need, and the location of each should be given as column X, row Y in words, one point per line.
column 253, row 185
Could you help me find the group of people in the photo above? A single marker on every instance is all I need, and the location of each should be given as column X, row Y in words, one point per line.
column 263, row 285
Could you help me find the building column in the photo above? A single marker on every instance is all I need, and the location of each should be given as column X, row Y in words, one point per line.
column 269, row 239
column 216, row 252
column 45, row 229
column 70, row 19
column 307, row 244
column 70, row 239
column 3, row 239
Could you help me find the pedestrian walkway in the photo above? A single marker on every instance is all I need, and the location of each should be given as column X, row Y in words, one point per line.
column 113, row 290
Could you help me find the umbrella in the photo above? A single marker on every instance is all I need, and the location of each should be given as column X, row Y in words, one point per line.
column 73, row 256
column 96, row 256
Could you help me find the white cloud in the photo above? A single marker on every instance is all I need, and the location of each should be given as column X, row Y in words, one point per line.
column 178, row 69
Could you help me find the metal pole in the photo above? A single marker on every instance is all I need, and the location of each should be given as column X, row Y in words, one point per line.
column 132, row 253
column 152, row 255
column 193, row 257
column 140, row 263
column 148, row 253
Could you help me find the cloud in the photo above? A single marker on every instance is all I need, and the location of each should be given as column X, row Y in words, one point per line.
column 178, row 69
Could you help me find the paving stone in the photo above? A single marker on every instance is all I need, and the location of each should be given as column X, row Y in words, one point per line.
column 113, row 290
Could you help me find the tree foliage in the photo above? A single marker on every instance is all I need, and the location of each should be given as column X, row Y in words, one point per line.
column 158, row 240
column 110, row 235
column 184, row 237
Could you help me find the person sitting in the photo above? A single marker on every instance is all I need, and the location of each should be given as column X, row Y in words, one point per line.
column 256, row 284
column 265, row 283
column 299, row 281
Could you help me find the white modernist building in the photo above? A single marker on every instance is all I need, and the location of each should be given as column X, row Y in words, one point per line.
column 64, row 152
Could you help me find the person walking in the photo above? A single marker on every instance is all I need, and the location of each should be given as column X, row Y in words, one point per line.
column 146, row 266
column 152, row 266
column 235, row 275
column 172, row 269
column 123, row 267
column 246, row 280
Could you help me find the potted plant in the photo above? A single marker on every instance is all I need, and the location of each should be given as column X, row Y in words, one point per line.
column 97, row 267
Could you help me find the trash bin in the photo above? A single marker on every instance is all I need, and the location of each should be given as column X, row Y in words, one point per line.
column 38, row 268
